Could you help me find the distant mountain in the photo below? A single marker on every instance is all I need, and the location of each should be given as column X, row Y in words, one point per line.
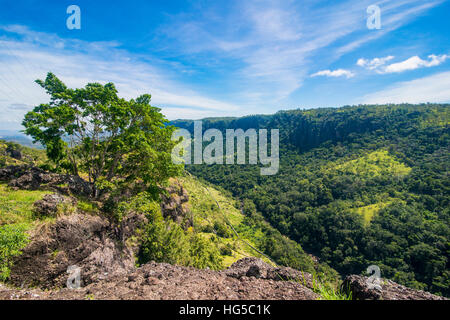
column 18, row 137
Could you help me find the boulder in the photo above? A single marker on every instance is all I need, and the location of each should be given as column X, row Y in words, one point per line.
column 362, row 289
column 257, row 268
column 50, row 204
column 15, row 154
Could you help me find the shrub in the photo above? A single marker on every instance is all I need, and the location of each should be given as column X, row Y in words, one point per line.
column 12, row 239
column 166, row 241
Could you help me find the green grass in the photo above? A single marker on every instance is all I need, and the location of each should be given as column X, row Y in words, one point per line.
column 206, row 215
column 87, row 206
column 16, row 207
column 325, row 289
column 374, row 164
column 369, row 211
column 327, row 292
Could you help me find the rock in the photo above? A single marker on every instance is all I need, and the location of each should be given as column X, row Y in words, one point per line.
column 361, row 289
column 257, row 268
column 169, row 282
column 90, row 242
column 174, row 206
column 249, row 267
column 33, row 178
column 15, row 154
column 50, row 204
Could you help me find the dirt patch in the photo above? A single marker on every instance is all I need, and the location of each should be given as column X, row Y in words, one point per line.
column 155, row 281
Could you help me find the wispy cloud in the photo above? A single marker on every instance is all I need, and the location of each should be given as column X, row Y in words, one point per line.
column 274, row 43
column 334, row 73
column 434, row 88
column 415, row 63
column 77, row 62
column 374, row 63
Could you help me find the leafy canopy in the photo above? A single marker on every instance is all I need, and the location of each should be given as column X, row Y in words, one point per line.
column 113, row 141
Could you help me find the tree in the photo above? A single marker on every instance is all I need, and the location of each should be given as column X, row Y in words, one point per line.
column 117, row 143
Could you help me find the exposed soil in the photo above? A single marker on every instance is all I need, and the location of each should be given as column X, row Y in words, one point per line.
column 165, row 281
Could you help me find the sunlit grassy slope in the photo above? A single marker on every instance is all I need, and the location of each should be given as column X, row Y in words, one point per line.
column 374, row 164
column 210, row 221
column 16, row 206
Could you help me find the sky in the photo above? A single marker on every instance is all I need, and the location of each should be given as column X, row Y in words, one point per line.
column 227, row 58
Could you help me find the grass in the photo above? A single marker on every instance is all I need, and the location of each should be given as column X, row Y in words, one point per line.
column 16, row 207
column 86, row 206
column 374, row 164
column 207, row 217
column 328, row 292
column 369, row 211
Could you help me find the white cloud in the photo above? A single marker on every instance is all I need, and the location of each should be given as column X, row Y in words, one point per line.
column 334, row 73
column 415, row 63
column 374, row 63
column 76, row 63
column 275, row 43
column 434, row 88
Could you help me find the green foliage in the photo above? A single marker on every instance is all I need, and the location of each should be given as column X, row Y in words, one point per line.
column 117, row 143
column 166, row 241
column 375, row 164
column 357, row 186
column 12, row 239
column 16, row 206
column 29, row 156
column 329, row 292
column 252, row 229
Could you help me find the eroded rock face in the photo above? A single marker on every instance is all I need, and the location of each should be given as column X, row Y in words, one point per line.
column 174, row 206
column 89, row 242
column 388, row 290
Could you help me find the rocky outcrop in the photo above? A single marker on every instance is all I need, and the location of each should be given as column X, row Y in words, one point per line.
column 88, row 242
column 14, row 153
column 174, row 205
column 33, row 178
column 50, row 204
column 362, row 289
column 248, row 278
column 165, row 281
column 254, row 267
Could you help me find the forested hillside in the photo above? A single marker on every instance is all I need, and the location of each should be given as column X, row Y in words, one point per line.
column 357, row 186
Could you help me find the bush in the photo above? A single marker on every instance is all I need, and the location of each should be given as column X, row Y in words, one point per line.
column 12, row 239
column 166, row 241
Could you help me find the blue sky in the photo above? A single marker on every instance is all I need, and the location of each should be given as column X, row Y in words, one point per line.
column 227, row 58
